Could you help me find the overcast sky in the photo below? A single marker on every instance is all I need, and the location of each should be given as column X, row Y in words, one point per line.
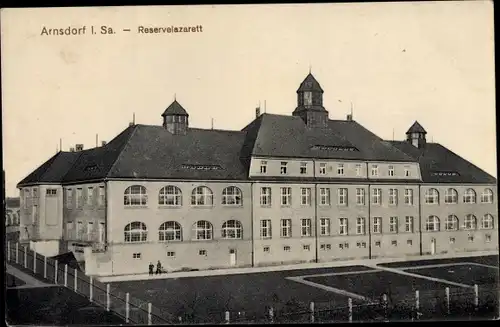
column 396, row 62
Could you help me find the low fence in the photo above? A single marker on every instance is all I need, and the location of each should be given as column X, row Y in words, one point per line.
column 131, row 309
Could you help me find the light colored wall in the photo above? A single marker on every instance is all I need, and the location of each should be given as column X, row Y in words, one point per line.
column 399, row 170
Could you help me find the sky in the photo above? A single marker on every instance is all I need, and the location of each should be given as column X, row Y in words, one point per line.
column 395, row 62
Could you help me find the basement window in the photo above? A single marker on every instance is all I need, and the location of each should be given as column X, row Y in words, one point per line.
column 306, row 247
column 202, row 252
column 170, row 254
column 136, row 255
column 286, row 248
column 267, row 249
column 487, row 238
column 51, row 192
column 378, row 244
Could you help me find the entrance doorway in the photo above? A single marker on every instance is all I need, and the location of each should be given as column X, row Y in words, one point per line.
column 232, row 257
column 433, row 246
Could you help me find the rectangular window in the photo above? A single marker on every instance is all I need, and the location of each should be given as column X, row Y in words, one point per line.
column 391, row 171
column 70, row 230
column 340, row 169
column 102, row 232
column 324, row 196
column 394, row 243
column 286, row 248
column 360, row 196
column 170, row 254
column 409, row 242
column 358, row 170
column 342, row 197
column 202, row 252
column 322, row 168
column 324, row 224
column 305, row 196
column 90, row 231
column 26, row 195
column 377, row 225
column 409, row 196
column 409, row 224
column 265, row 196
column 265, row 228
column 79, row 197
column 35, row 192
column 286, row 196
column 306, row 247
column 487, row 238
column 283, row 170
column 136, row 255
column 374, row 170
column 79, row 230
column 407, row 171
column 377, row 244
column 360, row 226
column 393, row 224
column 102, row 196
column 305, row 225
column 343, row 226
column 263, row 167
column 286, row 228
column 303, row 168
column 90, row 196
column 471, row 239
column 266, row 249
column 49, row 192
column 452, row 240
column 377, row 196
column 69, row 198
column 393, row 197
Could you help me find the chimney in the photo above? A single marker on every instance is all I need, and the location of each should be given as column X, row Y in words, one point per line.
column 349, row 117
column 103, row 143
column 72, row 149
column 78, row 147
column 131, row 124
column 257, row 112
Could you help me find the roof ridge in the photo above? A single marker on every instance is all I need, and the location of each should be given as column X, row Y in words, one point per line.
column 121, row 150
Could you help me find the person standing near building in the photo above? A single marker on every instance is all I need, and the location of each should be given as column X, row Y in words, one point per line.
column 151, row 267
column 158, row 267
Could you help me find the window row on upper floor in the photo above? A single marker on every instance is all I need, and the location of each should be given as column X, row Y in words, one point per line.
column 172, row 231
column 170, row 195
column 340, row 169
column 432, row 196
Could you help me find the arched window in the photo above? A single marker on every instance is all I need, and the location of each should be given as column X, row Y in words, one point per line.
column 202, row 230
column 487, row 196
column 432, row 196
column 451, row 196
column 232, row 229
column 451, row 223
column 470, row 196
column 202, row 196
column 170, row 231
column 135, row 195
column 487, row 222
column 170, row 196
column 232, row 196
column 470, row 222
column 136, row 232
column 432, row 224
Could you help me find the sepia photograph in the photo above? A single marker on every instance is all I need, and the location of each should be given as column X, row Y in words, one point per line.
column 249, row 164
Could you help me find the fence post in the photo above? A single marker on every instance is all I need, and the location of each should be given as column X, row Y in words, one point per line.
column 108, row 298
column 45, row 267
column 417, row 301
column 56, row 270
column 384, row 304
column 349, row 302
column 66, row 275
column 91, row 290
column 150, row 321
column 17, row 252
column 476, row 296
column 311, row 309
column 25, row 257
column 34, row 262
column 271, row 314
column 76, row 280
column 8, row 251
column 227, row 317
column 447, row 290
column 127, row 307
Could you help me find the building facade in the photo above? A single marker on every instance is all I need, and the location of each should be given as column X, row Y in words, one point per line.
column 284, row 189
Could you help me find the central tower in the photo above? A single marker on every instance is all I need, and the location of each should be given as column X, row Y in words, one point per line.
column 310, row 103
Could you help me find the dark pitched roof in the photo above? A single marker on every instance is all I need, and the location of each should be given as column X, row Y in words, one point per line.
column 288, row 136
column 200, row 154
column 309, row 84
column 416, row 128
column 12, row 202
column 175, row 109
column 53, row 170
column 437, row 165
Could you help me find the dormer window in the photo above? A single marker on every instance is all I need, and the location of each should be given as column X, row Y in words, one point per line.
column 340, row 169
column 283, row 170
column 407, row 171
column 263, row 167
column 375, row 170
column 322, row 168
column 391, row 171
column 303, row 168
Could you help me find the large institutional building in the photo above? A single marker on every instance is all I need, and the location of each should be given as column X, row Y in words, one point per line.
column 285, row 189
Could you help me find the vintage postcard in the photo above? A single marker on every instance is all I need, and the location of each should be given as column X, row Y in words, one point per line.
column 250, row 163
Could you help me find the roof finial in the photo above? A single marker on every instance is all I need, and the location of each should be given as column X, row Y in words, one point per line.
column 310, row 68
column 133, row 118
column 212, row 123
column 264, row 106
column 351, row 109
column 60, row 144
column 175, row 97
column 393, row 134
